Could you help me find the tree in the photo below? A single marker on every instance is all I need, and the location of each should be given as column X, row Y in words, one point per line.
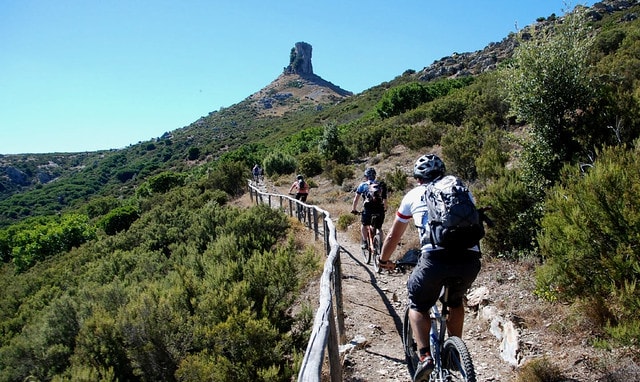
column 331, row 146
column 548, row 86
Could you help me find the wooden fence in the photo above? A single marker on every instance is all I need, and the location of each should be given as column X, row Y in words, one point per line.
column 328, row 327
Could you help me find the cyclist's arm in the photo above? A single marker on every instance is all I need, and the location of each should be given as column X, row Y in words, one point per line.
column 391, row 241
column 355, row 201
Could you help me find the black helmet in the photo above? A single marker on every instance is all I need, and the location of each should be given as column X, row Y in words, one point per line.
column 428, row 167
column 370, row 173
column 299, row 177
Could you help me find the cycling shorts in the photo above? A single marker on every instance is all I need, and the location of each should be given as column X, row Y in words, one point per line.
column 433, row 269
column 372, row 218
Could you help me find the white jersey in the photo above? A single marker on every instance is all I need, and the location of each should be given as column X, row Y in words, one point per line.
column 414, row 206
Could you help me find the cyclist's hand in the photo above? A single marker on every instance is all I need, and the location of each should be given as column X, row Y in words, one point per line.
column 388, row 265
column 355, row 212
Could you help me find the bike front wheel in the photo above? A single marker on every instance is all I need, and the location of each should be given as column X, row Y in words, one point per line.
column 409, row 344
column 456, row 361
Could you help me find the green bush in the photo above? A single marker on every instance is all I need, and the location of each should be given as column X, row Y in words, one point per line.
column 34, row 240
column 590, row 234
column 309, row 164
column 119, row 219
column 396, row 180
column 279, row 163
column 344, row 221
column 338, row 172
column 515, row 227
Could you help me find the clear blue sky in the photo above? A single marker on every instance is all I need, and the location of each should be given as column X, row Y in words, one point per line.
column 83, row 75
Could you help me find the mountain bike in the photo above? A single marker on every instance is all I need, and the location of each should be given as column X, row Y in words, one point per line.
column 300, row 211
column 374, row 242
column 451, row 358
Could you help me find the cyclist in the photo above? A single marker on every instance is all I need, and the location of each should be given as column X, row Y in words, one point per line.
column 372, row 205
column 301, row 187
column 256, row 170
column 434, row 266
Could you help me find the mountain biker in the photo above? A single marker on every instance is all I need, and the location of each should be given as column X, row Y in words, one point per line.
column 370, row 209
column 301, row 187
column 434, row 266
column 256, row 170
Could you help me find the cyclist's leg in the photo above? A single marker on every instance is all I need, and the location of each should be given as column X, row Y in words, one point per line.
column 365, row 219
column 423, row 288
column 420, row 325
column 464, row 266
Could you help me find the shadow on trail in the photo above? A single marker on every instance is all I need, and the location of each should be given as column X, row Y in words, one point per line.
column 397, row 320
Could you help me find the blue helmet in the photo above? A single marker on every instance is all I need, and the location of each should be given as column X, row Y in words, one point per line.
column 370, row 173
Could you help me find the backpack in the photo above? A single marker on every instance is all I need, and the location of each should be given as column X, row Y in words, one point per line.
column 454, row 221
column 376, row 192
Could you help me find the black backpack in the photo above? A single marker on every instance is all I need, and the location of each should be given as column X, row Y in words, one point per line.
column 454, row 220
column 376, row 193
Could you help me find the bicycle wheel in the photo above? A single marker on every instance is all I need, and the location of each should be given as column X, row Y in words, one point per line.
column 456, row 361
column 377, row 250
column 366, row 254
column 409, row 344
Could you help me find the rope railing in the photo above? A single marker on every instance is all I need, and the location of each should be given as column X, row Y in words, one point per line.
column 328, row 326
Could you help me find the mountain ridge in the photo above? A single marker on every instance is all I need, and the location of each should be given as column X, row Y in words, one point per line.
column 258, row 118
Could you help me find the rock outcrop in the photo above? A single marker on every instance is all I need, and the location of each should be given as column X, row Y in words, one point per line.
column 300, row 60
column 473, row 63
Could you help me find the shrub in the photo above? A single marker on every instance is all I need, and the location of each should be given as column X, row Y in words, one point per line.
column 119, row 219
column 540, row 370
column 339, row 172
column 396, row 180
column 590, row 233
column 279, row 163
column 344, row 221
column 309, row 164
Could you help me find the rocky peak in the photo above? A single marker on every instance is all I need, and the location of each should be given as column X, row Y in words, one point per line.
column 297, row 87
column 300, row 60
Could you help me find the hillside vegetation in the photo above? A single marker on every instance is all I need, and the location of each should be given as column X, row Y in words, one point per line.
column 133, row 265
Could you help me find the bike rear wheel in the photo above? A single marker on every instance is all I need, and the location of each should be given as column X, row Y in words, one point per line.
column 366, row 254
column 377, row 250
column 456, row 361
column 409, row 344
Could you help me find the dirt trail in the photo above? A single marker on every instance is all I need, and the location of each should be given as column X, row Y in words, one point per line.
column 374, row 306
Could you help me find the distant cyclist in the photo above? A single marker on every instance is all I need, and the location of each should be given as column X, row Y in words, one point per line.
column 374, row 196
column 256, row 171
column 301, row 187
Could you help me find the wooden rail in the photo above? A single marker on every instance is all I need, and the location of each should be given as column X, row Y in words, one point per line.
column 328, row 326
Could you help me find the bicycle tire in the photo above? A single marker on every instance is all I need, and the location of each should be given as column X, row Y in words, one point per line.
column 409, row 344
column 377, row 250
column 456, row 361
column 366, row 254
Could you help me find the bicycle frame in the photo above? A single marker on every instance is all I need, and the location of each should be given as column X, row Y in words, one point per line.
column 452, row 361
column 438, row 333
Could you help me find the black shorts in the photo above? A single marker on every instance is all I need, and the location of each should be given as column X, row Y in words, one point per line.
column 301, row 197
column 372, row 218
column 433, row 269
